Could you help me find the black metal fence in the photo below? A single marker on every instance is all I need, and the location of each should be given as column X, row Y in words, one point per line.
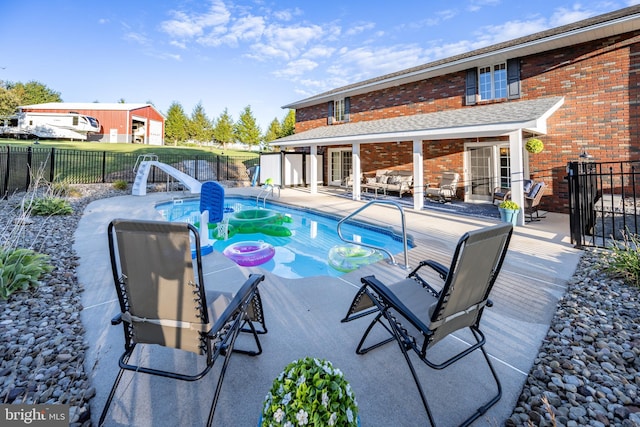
column 603, row 202
column 19, row 166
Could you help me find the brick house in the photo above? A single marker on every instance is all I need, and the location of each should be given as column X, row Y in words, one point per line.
column 574, row 87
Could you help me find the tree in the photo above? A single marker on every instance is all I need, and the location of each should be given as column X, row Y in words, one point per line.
column 274, row 131
column 8, row 102
column 288, row 124
column 177, row 123
column 247, row 130
column 223, row 129
column 33, row 92
column 200, row 127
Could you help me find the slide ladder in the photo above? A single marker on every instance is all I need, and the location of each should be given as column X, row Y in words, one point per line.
column 144, row 167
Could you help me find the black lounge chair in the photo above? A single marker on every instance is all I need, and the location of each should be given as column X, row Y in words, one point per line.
column 418, row 316
column 163, row 302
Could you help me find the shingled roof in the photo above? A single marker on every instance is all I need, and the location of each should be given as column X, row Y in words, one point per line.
column 486, row 120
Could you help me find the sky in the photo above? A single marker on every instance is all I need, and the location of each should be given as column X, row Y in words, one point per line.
column 264, row 54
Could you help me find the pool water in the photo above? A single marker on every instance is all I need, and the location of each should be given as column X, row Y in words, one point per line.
column 302, row 254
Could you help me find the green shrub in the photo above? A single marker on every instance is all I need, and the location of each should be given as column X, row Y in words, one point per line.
column 625, row 260
column 50, row 205
column 20, row 270
column 120, row 184
column 534, row 145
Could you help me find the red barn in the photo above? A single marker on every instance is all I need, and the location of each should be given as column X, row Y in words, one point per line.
column 133, row 123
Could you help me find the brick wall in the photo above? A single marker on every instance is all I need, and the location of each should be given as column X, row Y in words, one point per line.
column 599, row 81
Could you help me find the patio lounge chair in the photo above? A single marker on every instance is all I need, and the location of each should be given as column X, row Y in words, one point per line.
column 163, row 301
column 418, row 316
column 501, row 194
column 446, row 189
column 532, row 201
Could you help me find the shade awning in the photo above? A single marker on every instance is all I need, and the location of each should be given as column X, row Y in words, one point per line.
column 467, row 122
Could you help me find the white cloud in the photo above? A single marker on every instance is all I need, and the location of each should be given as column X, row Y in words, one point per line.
column 137, row 38
column 184, row 25
column 359, row 28
column 286, row 42
column 319, row 51
column 296, row 68
column 563, row 16
column 103, row 21
column 510, row 30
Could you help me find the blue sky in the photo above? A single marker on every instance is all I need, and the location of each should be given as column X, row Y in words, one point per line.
column 230, row 54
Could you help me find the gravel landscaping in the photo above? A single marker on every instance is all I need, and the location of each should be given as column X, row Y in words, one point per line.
column 587, row 369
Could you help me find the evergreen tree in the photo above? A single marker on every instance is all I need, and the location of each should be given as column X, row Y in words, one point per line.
column 223, row 129
column 247, row 130
column 274, row 131
column 200, row 127
column 288, row 124
column 176, row 125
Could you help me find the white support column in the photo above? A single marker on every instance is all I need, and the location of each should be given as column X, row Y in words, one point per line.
column 517, row 171
column 313, row 170
column 357, row 169
column 418, row 175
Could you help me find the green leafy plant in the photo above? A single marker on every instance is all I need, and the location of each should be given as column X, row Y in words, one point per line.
column 20, row 269
column 625, row 260
column 509, row 204
column 310, row 391
column 534, row 145
column 120, row 184
column 50, row 205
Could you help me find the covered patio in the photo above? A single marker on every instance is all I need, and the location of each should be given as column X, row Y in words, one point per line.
column 510, row 120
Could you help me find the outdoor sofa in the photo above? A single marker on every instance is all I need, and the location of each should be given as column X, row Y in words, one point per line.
column 386, row 181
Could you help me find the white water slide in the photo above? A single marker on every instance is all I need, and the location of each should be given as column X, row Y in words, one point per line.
column 144, row 167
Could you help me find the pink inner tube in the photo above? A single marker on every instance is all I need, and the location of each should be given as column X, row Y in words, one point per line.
column 249, row 254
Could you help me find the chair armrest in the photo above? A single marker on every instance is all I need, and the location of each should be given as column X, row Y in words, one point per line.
column 117, row 319
column 442, row 271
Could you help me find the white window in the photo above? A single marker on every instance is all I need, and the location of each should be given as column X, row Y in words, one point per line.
column 492, row 81
column 338, row 110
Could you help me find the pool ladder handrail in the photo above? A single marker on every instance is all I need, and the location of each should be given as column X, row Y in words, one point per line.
column 392, row 259
column 267, row 189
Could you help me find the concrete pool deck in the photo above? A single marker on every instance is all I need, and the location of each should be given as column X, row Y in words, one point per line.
column 303, row 317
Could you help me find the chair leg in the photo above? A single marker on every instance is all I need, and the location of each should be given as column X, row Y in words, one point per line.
column 253, row 331
column 124, row 358
column 360, row 349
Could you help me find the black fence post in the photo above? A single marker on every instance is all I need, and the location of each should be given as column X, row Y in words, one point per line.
column 104, row 167
column 29, row 167
column 52, row 159
column 195, row 169
column 7, row 174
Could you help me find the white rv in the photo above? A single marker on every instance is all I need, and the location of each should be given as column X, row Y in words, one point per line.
column 49, row 125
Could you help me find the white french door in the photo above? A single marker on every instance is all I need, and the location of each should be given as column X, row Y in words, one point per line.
column 487, row 166
column 340, row 165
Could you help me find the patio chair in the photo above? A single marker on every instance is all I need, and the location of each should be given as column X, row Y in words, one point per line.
column 532, row 201
column 446, row 189
column 163, row 301
column 501, row 193
column 418, row 316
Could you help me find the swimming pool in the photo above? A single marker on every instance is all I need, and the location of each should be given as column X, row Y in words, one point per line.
column 302, row 254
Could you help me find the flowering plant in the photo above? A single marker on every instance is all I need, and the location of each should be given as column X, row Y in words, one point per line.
column 312, row 392
column 534, row 145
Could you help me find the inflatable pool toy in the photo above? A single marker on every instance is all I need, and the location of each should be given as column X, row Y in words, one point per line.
column 249, row 254
column 350, row 257
column 249, row 221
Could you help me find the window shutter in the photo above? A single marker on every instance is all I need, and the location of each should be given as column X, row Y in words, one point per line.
column 330, row 113
column 347, row 109
column 472, row 86
column 513, row 78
